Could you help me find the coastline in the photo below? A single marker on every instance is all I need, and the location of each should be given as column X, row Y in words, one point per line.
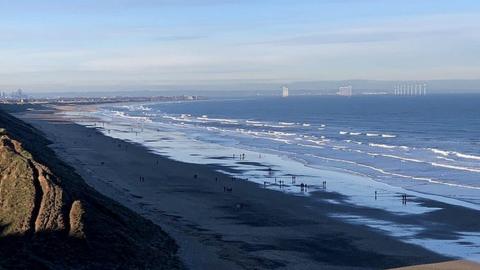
column 405, row 221
column 201, row 139
column 283, row 230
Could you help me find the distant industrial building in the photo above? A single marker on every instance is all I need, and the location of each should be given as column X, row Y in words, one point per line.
column 346, row 91
column 417, row 89
column 284, row 91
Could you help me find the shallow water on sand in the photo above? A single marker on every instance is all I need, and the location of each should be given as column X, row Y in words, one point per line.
column 427, row 144
column 273, row 168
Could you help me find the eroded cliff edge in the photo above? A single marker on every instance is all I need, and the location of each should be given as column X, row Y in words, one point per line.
column 50, row 219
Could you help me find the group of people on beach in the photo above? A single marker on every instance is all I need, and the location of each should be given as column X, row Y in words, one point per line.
column 241, row 156
column 281, row 183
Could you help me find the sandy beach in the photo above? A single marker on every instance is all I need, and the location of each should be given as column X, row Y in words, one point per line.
column 224, row 223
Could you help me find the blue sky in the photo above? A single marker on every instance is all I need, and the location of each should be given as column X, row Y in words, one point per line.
column 109, row 44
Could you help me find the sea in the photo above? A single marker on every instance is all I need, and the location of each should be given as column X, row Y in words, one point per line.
column 422, row 146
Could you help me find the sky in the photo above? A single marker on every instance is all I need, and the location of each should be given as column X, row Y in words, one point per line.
column 57, row 45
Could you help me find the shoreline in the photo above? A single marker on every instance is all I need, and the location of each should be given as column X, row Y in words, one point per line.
column 141, row 200
column 423, row 187
column 355, row 190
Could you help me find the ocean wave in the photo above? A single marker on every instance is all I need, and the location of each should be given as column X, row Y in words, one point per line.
column 367, row 134
column 441, row 152
column 144, row 108
column 319, row 142
column 446, row 153
column 454, row 167
column 382, row 171
column 135, row 107
column 273, row 126
column 174, row 118
column 466, row 156
column 279, row 133
column 267, row 134
column 214, row 128
column 386, row 146
column 221, row 120
column 286, row 123
column 126, row 116
column 403, row 158
column 281, row 140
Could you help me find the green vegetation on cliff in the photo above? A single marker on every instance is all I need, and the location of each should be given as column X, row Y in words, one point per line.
column 50, row 219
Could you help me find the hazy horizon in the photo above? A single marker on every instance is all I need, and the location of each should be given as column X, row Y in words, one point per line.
column 56, row 46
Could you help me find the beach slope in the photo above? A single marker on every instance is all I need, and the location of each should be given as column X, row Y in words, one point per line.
column 220, row 222
column 50, row 219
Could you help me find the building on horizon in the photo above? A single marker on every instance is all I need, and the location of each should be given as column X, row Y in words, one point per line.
column 412, row 89
column 345, row 91
column 284, row 91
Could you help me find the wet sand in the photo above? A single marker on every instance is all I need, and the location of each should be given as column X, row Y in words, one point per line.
column 247, row 228
column 463, row 265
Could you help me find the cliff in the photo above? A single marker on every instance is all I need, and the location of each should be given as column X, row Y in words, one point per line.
column 50, row 219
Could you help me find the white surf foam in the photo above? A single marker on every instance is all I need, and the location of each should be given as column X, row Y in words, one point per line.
column 382, row 145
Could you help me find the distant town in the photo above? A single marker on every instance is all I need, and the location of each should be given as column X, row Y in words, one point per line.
column 20, row 97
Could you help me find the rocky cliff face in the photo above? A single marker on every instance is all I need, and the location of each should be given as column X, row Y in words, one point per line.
column 50, row 219
column 31, row 201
